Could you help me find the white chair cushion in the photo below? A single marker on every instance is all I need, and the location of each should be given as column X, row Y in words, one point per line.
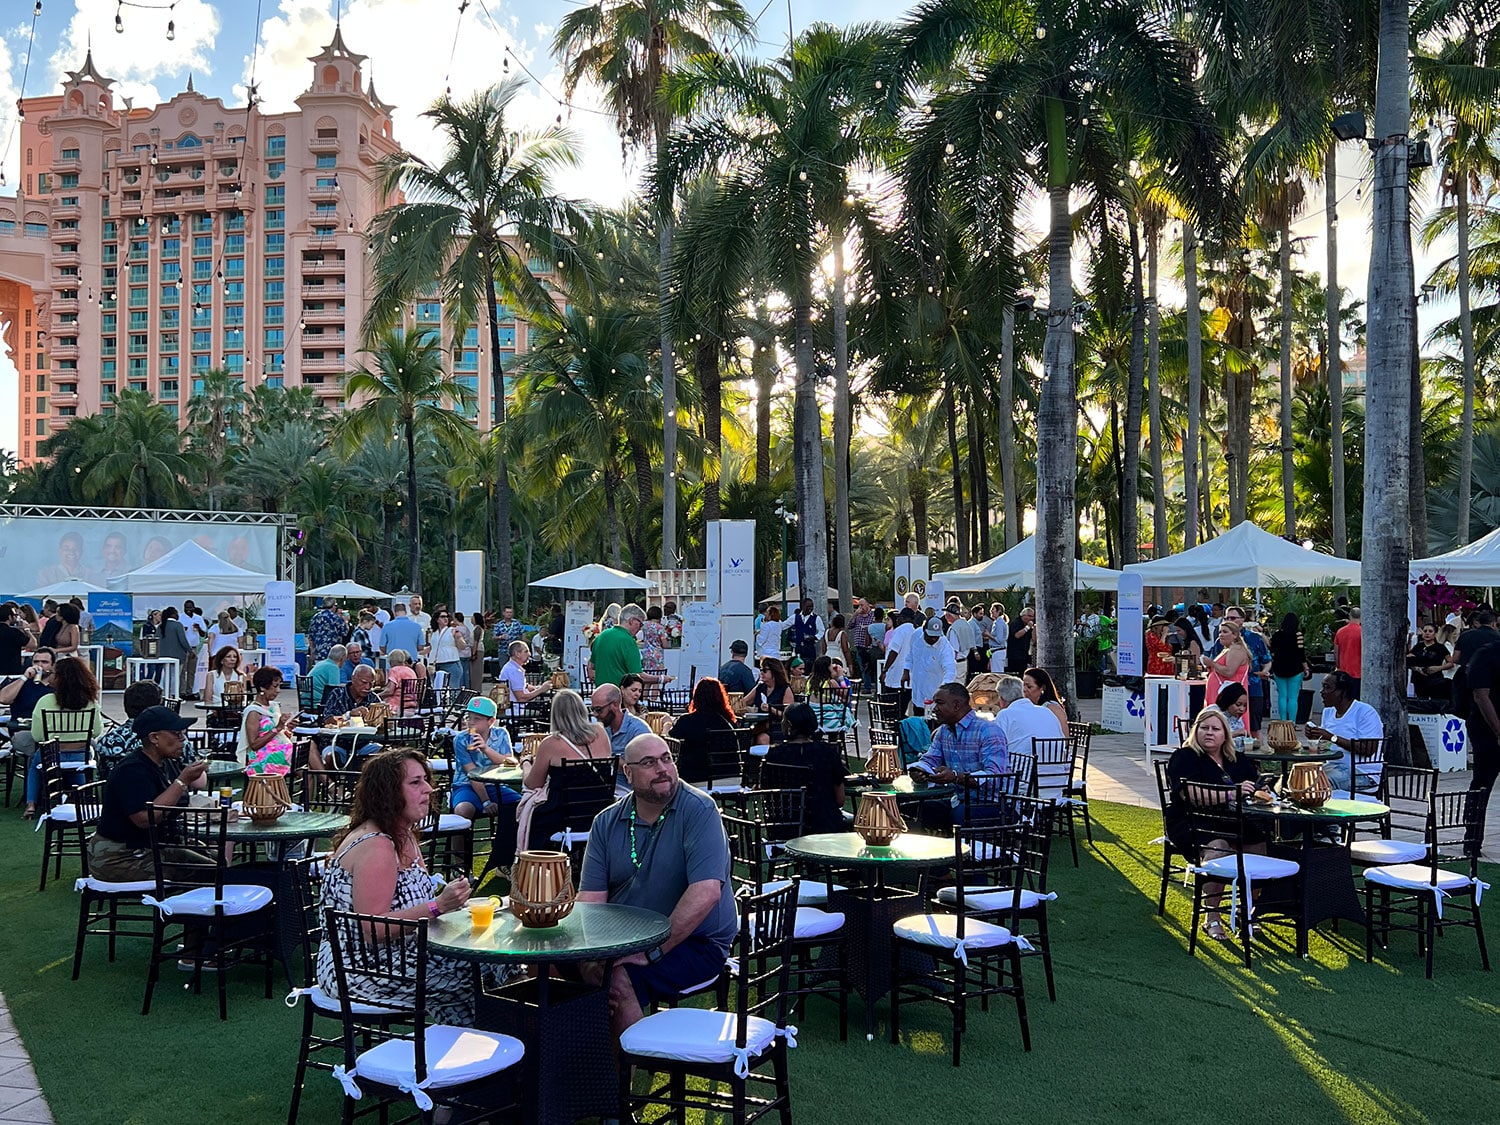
column 330, row 1004
column 986, row 899
column 440, row 765
column 812, row 923
column 455, row 1055
column 245, row 899
column 452, row 822
column 1256, row 867
column 1377, row 853
column 1416, row 877
column 699, row 1035
column 99, row 886
column 810, row 892
column 67, row 813
column 941, row 931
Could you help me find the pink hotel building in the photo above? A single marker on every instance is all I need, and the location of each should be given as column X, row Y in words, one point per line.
column 147, row 246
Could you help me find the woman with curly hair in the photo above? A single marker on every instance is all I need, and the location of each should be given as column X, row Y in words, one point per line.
column 377, row 869
column 74, row 692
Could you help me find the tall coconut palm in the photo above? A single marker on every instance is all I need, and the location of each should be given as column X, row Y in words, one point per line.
column 1386, row 547
column 780, row 135
column 137, row 459
column 470, row 227
column 1037, row 80
column 271, row 469
column 403, row 390
column 216, row 410
column 628, row 47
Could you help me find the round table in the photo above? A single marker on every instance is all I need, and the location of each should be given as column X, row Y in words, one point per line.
column 220, row 771
column 288, row 827
column 501, row 775
column 1324, row 870
column 1286, row 759
column 872, row 910
column 569, row 1062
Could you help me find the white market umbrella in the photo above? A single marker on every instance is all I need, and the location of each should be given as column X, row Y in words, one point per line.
column 189, row 569
column 1017, row 568
column 344, row 588
column 1245, row 556
column 67, row 588
column 594, row 576
column 795, row 595
column 1476, row 564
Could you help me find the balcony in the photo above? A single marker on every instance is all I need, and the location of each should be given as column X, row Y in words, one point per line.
column 62, row 257
column 323, row 144
column 242, row 200
column 67, row 164
column 323, row 339
column 309, row 316
column 60, row 233
column 328, row 365
column 66, row 210
column 317, row 292
column 132, row 205
column 60, row 352
column 313, row 267
column 324, row 195
column 63, row 305
column 225, row 148
column 59, row 397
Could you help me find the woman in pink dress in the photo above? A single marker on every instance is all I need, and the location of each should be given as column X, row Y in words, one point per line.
column 1232, row 665
column 652, row 640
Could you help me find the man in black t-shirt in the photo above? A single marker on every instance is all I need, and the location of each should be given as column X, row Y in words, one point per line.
column 120, row 849
column 13, row 640
column 1018, row 644
column 555, row 629
column 1470, row 642
column 1484, row 723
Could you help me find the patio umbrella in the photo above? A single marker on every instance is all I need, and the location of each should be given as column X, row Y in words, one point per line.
column 594, row 576
column 344, row 588
column 67, row 588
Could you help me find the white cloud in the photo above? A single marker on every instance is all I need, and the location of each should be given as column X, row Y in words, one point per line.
column 393, row 33
column 141, row 54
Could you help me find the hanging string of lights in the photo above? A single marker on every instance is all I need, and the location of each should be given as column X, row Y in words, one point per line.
column 36, row 14
column 121, row 5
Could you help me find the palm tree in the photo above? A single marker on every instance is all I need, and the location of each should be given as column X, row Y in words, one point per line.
column 216, row 410
column 136, row 457
column 403, row 390
column 471, row 226
column 272, row 468
column 269, row 407
column 1386, row 545
column 628, row 47
column 761, row 125
column 1038, row 80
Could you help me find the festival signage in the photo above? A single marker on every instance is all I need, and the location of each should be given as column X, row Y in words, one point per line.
column 281, row 628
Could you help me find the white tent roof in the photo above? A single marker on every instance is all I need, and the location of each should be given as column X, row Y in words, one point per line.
column 1476, row 564
column 189, row 569
column 594, row 576
column 1017, row 567
column 1248, row 557
column 67, row 588
column 795, row 595
column 343, row 588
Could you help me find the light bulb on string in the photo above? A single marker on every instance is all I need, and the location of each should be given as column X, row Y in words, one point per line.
column 1041, row 33
column 171, row 30
column 999, row 115
column 119, row 23
column 948, row 149
column 802, row 175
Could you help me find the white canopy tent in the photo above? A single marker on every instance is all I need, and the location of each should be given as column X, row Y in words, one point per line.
column 594, row 576
column 1476, row 564
column 1247, row 557
column 795, row 595
column 67, row 588
column 343, row 588
column 189, row 569
column 1017, row 567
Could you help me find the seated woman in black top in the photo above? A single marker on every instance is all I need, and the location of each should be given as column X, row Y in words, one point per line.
column 709, row 720
column 823, row 805
column 772, row 694
column 1206, row 758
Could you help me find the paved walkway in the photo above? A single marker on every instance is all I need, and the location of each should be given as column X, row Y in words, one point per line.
column 1118, row 772
column 21, row 1099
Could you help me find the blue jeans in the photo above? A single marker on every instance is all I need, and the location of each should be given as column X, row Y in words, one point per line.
column 34, row 774
column 1288, row 692
column 456, row 670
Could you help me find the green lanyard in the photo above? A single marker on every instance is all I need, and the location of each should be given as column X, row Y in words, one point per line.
column 651, row 828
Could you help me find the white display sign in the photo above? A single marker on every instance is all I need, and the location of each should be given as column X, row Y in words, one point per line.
column 1447, row 740
column 786, row 589
column 468, row 581
column 577, row 616
column 1122, row 710
column 912, row 572
column 932, row 595
column 1130, row 627
column 700, row 639
column 281, row 628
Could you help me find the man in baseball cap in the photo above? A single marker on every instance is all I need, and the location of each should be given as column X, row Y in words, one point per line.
column 736, row 675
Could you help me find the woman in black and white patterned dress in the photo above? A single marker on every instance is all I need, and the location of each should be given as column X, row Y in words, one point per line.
column 377, row 869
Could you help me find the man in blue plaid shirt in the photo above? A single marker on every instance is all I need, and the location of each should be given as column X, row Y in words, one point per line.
column 508, row 629
column 964, row 743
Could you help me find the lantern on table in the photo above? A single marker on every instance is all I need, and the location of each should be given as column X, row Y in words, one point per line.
column 879, row 820
column 541, row 888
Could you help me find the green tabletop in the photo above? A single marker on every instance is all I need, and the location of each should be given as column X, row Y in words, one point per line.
column 903, row 786
column 1328, row 811
column 500, row 775
column 221, row 771
column 848, row 849
column 594, row 931
column 1301, row 754
column 290, row 826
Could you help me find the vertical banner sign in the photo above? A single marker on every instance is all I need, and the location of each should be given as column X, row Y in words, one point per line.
column 700, row 640
column 912, row 572
column 281, row 628
column 790, row 580
column 577, row 616
column 468, row 581
column 730, row 555
column 932, row 594
column 112, row 621
column 1130, row 626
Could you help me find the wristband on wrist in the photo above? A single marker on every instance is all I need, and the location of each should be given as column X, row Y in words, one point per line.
column 432, row 908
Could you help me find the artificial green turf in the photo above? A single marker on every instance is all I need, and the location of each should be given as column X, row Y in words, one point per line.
column 1140, row 1031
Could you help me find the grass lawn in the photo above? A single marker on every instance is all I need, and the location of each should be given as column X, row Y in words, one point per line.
column 1140, row 1031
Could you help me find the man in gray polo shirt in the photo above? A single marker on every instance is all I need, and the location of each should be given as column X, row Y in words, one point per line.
column 662, row 848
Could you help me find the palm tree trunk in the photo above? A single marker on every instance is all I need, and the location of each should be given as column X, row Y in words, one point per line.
column 919, row 490
column 842, row 433
column 1288, row 474
column 763, row 368
column 706, row 362
column 668, row 384
column 1005, row 424
column 1057, row 429
column 1418, row 454
column 385, row 554
column 645, row 482
column 1466, row 343
column 1195, row 387
column 1385, row 554
column 1159, row 546
column 1334, row 366
column 413, row 545
column 979, row 473
column 1130, row 486
column 612, row 521
column 956, row 472
column 503, row 571
column 807, row 450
